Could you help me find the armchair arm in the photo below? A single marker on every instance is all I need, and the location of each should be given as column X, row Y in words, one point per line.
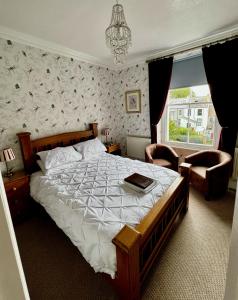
column 170, row 155
column 221, row 166
column 149, row 152
column 218, row 177
column 196, row 158
column 220, row 170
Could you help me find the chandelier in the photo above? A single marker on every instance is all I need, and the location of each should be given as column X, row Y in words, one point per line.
column 118, row 34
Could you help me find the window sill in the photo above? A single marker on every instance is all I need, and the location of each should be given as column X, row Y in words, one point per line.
column 195, row 147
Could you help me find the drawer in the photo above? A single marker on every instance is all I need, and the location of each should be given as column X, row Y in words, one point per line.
column 16, row 185
column 17, row 192
column 18, row 203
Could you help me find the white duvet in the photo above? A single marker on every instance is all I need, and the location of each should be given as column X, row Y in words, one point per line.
column 89, row 202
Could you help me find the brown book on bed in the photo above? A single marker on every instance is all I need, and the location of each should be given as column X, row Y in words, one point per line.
column 139, row 180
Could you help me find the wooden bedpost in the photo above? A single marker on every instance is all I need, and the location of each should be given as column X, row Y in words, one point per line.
column 184, row 170
column 26, row 150
column 127, row 243
column 94, row 128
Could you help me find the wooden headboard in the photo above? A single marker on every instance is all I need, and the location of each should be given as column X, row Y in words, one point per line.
column 29, row 147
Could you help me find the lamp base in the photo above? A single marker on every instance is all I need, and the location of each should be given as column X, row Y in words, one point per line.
column 9, row 171
column 8, row 174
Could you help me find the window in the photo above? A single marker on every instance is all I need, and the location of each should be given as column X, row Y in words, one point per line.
column 199, row 112
column 190, row 116
column 199, row 121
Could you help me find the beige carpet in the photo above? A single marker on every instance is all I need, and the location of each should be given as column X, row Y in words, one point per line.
column 192, row 266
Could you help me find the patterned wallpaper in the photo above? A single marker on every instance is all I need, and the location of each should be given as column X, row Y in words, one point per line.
column 134, row 78
column 46, row 93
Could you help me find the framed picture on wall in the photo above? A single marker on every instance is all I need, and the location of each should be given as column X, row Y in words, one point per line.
column 133, row 101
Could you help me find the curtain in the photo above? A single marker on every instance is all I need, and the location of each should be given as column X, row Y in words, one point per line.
column 221, row 67
column 159, row 80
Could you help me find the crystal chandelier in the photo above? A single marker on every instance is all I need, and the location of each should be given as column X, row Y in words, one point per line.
column 118, row 34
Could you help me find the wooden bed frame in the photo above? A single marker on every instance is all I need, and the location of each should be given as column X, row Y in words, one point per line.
column 136, row 248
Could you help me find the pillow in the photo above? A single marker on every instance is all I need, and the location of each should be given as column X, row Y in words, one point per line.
column 90, row 149
column 48, row 171
column 59, row 156
column 42, row 167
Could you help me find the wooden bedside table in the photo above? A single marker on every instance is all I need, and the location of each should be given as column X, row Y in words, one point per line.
column 18, row 194
column 114, row 149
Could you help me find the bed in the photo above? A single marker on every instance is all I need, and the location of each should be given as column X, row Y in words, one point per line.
column 136, row 244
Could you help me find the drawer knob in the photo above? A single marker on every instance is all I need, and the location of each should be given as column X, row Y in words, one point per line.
column 14, row 188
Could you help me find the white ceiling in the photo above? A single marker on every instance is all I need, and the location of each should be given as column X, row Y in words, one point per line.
column 156, row 25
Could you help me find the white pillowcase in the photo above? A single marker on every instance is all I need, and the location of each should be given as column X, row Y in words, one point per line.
column 90, row 149
column 47, row 172
column 59, row 156
column 42, row 167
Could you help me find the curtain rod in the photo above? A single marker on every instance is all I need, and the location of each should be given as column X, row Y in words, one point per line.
column 193, row 48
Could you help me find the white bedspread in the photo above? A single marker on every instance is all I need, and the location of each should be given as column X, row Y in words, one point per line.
column 89, row 202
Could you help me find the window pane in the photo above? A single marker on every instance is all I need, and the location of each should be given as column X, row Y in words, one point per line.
column 199, row 112
column 203, row 130
column 178, row 131
column 191, row 116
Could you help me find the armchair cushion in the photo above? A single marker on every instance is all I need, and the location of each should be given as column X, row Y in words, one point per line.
column 163, row 163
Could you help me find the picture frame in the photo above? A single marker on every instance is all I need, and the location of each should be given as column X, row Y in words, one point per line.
column 133, row 101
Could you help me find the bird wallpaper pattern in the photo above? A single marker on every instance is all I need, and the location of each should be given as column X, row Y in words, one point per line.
column 46, row 94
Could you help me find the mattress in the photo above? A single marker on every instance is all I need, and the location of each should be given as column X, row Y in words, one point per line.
column 90, row 203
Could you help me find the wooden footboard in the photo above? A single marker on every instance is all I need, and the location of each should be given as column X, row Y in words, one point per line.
column 137, row 248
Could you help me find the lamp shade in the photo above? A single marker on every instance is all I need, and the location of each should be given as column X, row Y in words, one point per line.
column 7, row 155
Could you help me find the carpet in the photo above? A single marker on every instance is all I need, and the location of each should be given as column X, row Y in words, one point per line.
column 191, row 266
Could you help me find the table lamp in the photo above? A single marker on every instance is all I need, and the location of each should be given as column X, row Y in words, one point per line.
column 106, row 132
column 6, row 156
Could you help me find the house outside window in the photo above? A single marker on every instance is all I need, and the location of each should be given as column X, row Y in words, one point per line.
column 194, row 119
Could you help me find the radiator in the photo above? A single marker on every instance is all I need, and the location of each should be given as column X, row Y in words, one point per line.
column 135, row 146
column 235, row 165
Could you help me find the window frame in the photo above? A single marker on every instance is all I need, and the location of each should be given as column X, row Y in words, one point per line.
column 165, row 133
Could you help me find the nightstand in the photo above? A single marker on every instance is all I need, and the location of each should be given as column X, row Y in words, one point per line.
column 18, row 194
column 114, row 149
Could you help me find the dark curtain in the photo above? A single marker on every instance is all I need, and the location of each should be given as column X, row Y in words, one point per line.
column 221, row 67
column 160, row 72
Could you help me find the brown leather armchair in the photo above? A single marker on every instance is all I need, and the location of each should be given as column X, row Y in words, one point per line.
column 210, row 172
column 162, row 155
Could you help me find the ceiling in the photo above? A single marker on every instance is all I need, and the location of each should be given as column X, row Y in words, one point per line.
column 156, row 25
